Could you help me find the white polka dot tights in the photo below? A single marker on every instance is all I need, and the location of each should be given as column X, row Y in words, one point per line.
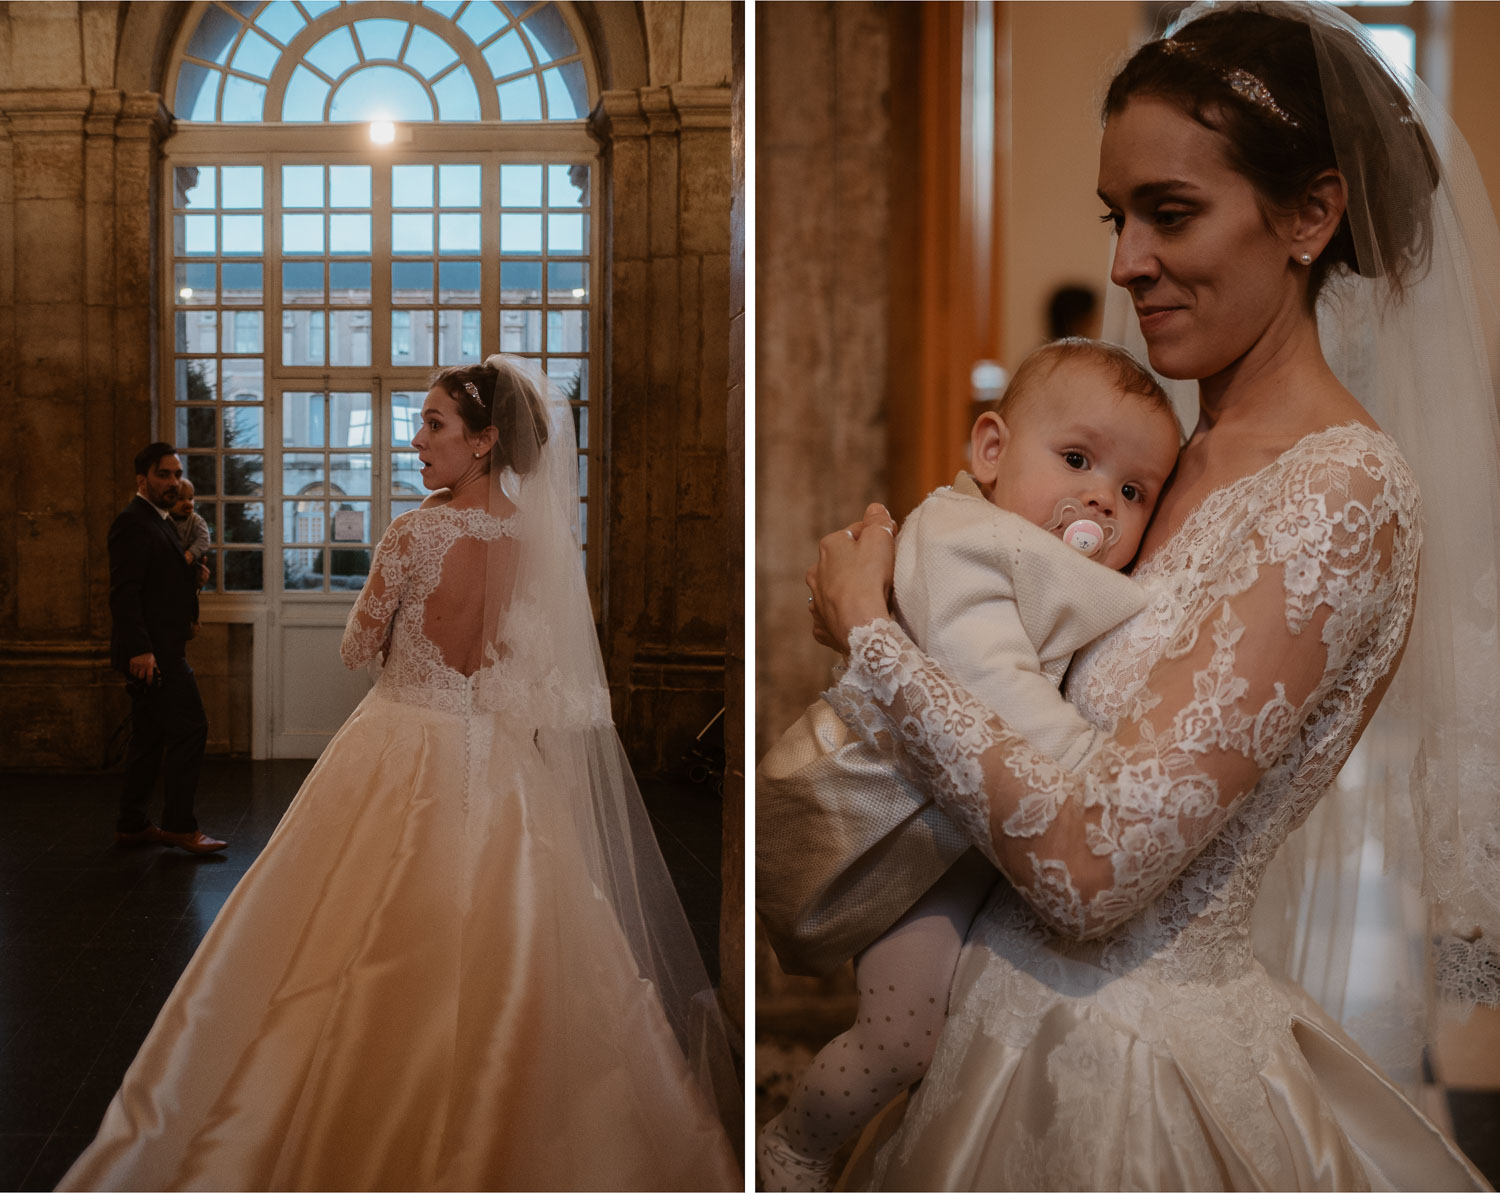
column 903, row 983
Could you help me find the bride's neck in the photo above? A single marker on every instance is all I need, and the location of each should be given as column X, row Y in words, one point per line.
column 472, row 488
column 1278, row 390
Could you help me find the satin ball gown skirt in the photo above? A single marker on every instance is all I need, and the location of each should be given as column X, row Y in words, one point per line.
column 1053, row 1073
column 416, row 986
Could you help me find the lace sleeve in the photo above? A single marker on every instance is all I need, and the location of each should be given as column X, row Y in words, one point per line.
column 1313, row 608
column 368, row 629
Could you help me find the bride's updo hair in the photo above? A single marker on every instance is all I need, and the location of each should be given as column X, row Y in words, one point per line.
column 1252, row 75
column 508, row 399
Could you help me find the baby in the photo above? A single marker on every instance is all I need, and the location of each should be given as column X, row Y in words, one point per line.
column 1076, row 452
column 192, row 530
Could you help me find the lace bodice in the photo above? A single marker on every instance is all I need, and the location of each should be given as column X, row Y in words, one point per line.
column 1275, row 616
column 519, row 678
column 390, row 614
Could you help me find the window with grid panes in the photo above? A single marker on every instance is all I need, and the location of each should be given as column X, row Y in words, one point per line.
column 377, row 267
column 219, row 391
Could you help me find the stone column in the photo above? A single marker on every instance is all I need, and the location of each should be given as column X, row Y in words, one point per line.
column 75, row 341
column 832, row 172
column 732, row 863
column 666, row 368
column 827, row 178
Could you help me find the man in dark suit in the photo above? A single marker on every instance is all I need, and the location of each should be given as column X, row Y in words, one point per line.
column 153, row 601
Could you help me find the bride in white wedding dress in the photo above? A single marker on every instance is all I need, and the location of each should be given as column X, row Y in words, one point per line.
column 459, row 963
column 1111, row 1027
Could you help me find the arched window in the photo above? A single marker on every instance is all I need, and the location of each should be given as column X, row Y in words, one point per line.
column 317, row 275
column 323, row 62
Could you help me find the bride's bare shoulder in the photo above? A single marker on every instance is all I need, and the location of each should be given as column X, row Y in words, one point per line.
column 436, row 498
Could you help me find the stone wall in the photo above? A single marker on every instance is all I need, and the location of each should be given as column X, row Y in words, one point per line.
column 221, row 659
column 732, row 865
column 76, row 361
column 667, row 145
column 830, row 128
column 824, row 163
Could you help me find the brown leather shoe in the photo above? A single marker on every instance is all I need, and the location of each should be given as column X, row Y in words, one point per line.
column 150, row 835
column 193, row 842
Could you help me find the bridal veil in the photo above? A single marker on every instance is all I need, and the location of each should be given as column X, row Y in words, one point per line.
column 543, row 669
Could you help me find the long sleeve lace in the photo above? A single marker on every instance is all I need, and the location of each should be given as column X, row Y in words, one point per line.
column 1305, row 611
column 369, row 626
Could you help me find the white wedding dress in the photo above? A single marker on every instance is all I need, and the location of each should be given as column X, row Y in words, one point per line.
column 1112, row 1029
column 420, row 984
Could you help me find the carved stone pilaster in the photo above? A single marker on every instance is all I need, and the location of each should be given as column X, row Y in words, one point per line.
column 667, row 372
column 75, row 392
column 700, row 106
column 617, row 114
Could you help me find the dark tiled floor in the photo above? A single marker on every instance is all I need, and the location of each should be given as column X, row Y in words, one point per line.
column 92, row 937
column 1476, row 1126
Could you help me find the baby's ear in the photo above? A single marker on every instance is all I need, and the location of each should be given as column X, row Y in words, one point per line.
column 986, row 445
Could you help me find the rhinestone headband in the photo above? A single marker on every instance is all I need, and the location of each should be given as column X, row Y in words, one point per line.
column 1241, row 82
column 473, row 391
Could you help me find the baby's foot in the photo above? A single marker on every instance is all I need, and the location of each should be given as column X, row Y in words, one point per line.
column 783, row 1169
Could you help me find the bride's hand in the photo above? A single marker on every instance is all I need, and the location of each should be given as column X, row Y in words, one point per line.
column 851, row 582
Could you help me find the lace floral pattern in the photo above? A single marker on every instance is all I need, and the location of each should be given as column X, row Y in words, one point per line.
column 390, row 614
column 1232, row 698
column 1173, row 1051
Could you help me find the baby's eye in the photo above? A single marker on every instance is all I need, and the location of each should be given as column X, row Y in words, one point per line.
column 1075, row 460
column 1131, row 493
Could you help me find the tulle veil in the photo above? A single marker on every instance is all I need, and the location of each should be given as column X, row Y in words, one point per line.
column 1411, row 833
column 543, row 669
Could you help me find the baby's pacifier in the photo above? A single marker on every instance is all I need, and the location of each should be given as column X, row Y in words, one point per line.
column 1083, row 529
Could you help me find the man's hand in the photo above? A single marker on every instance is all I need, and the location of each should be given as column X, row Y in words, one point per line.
column 143, row 667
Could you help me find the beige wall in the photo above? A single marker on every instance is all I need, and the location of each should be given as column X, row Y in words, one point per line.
column 1062, row 56
column 1475, row 100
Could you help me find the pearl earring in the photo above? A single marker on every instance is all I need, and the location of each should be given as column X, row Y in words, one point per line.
column 478, row 455
column 1306, row 258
